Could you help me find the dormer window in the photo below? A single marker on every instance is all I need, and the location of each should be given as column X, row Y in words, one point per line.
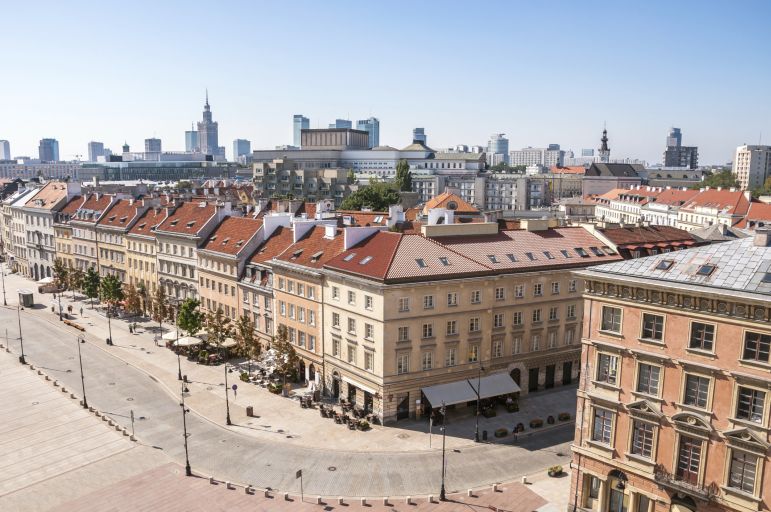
column 190, row 224
column 297, row 254
column 366, row 260
column 705, row 270
column 315, row 256
column 581, row 252
column 492, row 258
column 421, row 262
column 664, row 264
column 530, row 256
column 174, row 222
column 511, row 257
column 548, row 255
column 123, row 219
column 350, row 256
column 444, row 261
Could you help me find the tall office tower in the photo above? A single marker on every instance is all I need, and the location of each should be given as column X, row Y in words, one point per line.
column 752, row 166
column 191, row 141
column 677, row 155
column 498, row 149
column 152, row 145
column 241, row 147
column 371, row 126
column 341, row 123
column 5, row 150
column 48, row 150
column 208, row 131
column 95, row 150
column 587, row 152
column 675, row 138
column 604, row 151
column 299, row 123
column 419, row 135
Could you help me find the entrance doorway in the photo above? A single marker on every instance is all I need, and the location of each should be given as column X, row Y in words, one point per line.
column 336, row 385
column 312, row 373
column 532, row 379
column 567, row 372
column 367, row 402
column 516, row 375
column 352, row 394
column 302, row 371
column 549, row 381
column 403, row 406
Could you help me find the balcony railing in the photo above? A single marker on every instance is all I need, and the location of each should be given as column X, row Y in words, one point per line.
column 667, row 479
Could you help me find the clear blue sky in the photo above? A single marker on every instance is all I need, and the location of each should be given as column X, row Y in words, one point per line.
column 541, row 72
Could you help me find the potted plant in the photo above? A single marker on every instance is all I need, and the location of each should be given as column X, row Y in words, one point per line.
column 555, row 471
column 501, row 432
column 536, row 423
column 519, row 428
column 550, row 420
column 363, row 425
column 563, row 416
column 244, row 377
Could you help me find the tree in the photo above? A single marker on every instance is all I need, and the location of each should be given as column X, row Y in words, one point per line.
column 60, row 274
column 218, row 328
column 725, row 179
column 244, row 335
column 111, row 290
column 351, row 177
column 91, row 284
column 377, row 195
column 189, row 318
column 286, row 356
column 403, row 180
column 184, row 185
column 160, row 307
column 765, row 190
column 76, row 278
column 133, row 301
column 142, row 291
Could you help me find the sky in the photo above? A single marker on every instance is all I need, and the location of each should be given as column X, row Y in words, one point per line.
column 540, row 72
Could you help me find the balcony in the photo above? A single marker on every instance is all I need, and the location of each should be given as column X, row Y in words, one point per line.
column 671, row 481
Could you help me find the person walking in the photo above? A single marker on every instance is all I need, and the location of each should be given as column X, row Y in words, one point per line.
column 81, row 311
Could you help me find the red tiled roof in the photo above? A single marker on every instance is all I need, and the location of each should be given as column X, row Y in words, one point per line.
column 50, row 195
column 121, row 215
column 724, row 200
column 313, row 250
column 573, row 169
column 443, row 200
column 96, row 202
column 363, row 218
column 675, row 196
column 279, row 240
column 232, row 234
column 645, row 234
column 188, row 218
column 758, row 212
column 145, row 224
column 308, row 208
column 72, row 205
column 371, row 257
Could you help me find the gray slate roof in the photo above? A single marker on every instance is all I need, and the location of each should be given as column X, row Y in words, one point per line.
column 717, row 233
column 617, row 170
column 739, row 265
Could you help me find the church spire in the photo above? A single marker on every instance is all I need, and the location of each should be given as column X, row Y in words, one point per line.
column 604, row 149
column 206, row 105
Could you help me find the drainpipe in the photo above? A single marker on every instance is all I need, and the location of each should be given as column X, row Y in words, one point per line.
column 583, row 404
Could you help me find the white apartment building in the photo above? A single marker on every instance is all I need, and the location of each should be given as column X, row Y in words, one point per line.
column 547, row 157
column 752, row 165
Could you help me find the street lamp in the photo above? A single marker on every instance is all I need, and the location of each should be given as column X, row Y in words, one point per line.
column 179, row 360
column 5, row 302
column 109, row 326
column 479, row 383
column 443, row 410
column 82, row 339
column 60, row 306
column 21, row 339
column 227, row 402
column 185, row 410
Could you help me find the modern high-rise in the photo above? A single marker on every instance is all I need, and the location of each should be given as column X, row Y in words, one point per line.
column 371, row 126
column 48, row 150
column 208, row 131
column 419, row 135
column 241, row 147
column 191, row 141
column 677, row 155
column 152, row 145
column 299, row 123
column 5, row 150
column 341, row 123
column 498, row 149
column 95, row 150
column 752, row 165
column 587, row 152
column 547, row 157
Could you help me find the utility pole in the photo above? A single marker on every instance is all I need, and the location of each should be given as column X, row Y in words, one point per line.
column 227, row 402
column 188, row 471
column 80, row 340
column 442, row 494
column 479, row 383
column 22, row 360
column 5, row 302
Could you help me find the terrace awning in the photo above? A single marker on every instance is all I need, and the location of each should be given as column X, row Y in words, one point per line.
column 466, row 390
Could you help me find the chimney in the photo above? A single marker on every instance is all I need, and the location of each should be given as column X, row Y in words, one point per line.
column 762, row 237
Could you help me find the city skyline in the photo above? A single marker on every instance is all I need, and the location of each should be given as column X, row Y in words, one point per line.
column 638, row 90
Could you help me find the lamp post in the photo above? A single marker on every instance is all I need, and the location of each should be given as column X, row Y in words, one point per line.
column 82, row 339
column 5, row 302
column 479, row 383
column 442, row 495
column 109, row 326
column 185, row 410
column 179, row 360
column 21, row 339
column 227, row 402
column 60, row 305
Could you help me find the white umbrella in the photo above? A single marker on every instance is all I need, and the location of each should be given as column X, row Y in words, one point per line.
column 170, row 336
column 229, row 342
column 188, row 341
column 46, row 280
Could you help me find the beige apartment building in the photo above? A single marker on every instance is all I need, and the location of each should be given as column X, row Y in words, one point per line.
column 674, row 411
column 63, row 231
column 140, row 250
column 84, row 240
column 111, row 230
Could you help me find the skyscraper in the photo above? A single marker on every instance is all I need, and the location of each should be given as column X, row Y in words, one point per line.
column 152, row 145
column 5, row 150
column 371, row 126
column 604, row 152
column 48, row 150
column 498, row 149
column 95, row 150
column 299, row 123
column 208, row 131
column 191, row 141
column 419, row 135
column 675, row 138
column 241, row 147
column 677, row 155
column 341, row 123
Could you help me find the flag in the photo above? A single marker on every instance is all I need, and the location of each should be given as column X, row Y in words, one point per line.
column 299, row 474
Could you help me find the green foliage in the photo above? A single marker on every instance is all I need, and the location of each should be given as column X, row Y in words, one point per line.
column 377, row 195
column 403, row 180
column 508, row 169
column 244, row 335
column 724, row 179
column 286, row 356
column 160, row 305
column 91, row 283
column 189, row 318
column 218, row 327
column 765, row 190
column 184, row 185
column 60, row 274
column 75, row 279
column 111, row 290
column 133, row 300
column 351, row 176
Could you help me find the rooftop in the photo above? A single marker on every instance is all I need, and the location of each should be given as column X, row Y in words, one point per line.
column 48, row 196
column 232, row 235
column 122, row 214
column 93, row 207
column 145, row 225
column 188, row 218
column 279, row 240
column 727, row 201
column 451, row 202
column 314, row 249
column 645, row 234
column 614, row 170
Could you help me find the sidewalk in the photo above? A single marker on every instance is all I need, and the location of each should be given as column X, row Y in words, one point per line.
column 279, row 419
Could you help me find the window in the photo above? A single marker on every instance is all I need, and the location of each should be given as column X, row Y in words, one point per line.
column 452, row 327
column 555, row 288
column 688, row 460
column 476, row 297
column 352, row 326
column 300, row 289
column 428, row 330
column 653, row 327
column 404, row 333
column 335, row 291
column 572, row 286
column 336, row 348
column 369, row 331
column 696, row 391
column 402, row 364
column 351, row 354
column 428, row 302
column 404, row 304
column 552, row 339
column 498, row 320
column 311, row 342
column 536, row 315
column 451, row 357
column 553, row 315
column 473, row 324
column 427, row 361
column 519, row 291
column 705, row 270
column 367, row 302
column 535, row 343
column 644, row 503
column 336, row 320
column 311, row 292
column 301, row 315
column 517, row 315
column 648, row 379
column 281, row 283
column 702, row 336
column 607, row 369
column 516, row 345
column 665, row 264
column 642, row 439
column 452, row 299
column 741, row 474
column 369, row 361
column 421, row 262
column 290, row 286
column 351, row 297
column 311, row 317
column 611, row 319
column 571, row 311
column 282, row 308
column 500, row 293
column 300, row 338
column 473, row 353
column 537, row 290
column 749, row 404
column 756, row 347
column 602, row 426
column 569, row 335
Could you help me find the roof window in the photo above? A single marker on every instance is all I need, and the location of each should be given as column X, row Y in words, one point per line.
column 366, row 260
column 421, row 262
column 444, row 261
column 766, row 278
column 297, row 254
column 123, row 219
column 213, row 238
column 492, row 258
column 548, row 255
column 665, row 264
column 350, row 256
column 530, row 256
column 316, row 255
column 609, row 251
column 142, row 226
column 190, row 224
column 581, row 252
column 596, row 251
column 565, row 253
column 174, row 222
column 705, row 270
column 511, row 257
column 226, row 241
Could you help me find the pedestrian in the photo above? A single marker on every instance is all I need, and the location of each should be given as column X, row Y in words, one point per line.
column 131, row 329
column 81, row 310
